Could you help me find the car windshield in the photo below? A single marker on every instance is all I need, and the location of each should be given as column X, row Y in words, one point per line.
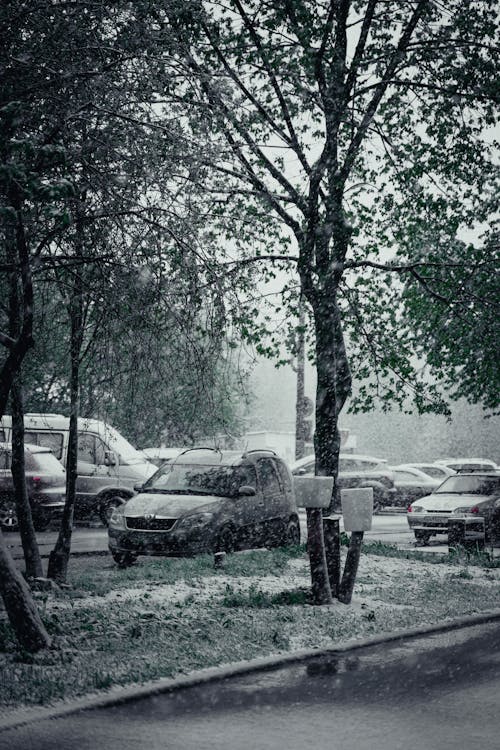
column 223, row 481
column 117, row 443
column 479, row 485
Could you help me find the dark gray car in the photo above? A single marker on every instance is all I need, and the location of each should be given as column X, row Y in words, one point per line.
column 207, row 501
column 45, row 482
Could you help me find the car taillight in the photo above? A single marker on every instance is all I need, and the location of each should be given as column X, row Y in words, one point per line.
column 36, row 480
column 475, row 509
column 410, row 509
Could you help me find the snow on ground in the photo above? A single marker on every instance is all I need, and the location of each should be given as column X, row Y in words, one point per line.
column 375, row 572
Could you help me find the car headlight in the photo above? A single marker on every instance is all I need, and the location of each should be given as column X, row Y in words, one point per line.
column 195, row 520
column 467, row 510
column 417, row 509
column 117, row 520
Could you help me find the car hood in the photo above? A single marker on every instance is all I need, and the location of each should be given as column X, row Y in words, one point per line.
column 449, row 502
column 169, row 506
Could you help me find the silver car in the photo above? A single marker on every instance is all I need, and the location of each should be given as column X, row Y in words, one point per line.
column 462, row 495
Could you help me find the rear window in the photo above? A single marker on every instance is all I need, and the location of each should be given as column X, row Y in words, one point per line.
column 433, row 472
column 470, row 485
column 51, row 440
column 46, row 463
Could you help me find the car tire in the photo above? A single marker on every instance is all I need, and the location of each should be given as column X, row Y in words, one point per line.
column 225, row 540
column 8, row 517
column 422, row 536
column 292, row 534
column 108, row 505
column 124, row 559
column 41, row 523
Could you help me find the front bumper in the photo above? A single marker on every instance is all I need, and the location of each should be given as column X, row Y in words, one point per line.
column 436, row 523
column 161, row 543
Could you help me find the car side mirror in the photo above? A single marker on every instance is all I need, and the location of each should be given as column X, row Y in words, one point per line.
column 110, row 458
column 300, row 472
column 138, row 487
column 246, row 490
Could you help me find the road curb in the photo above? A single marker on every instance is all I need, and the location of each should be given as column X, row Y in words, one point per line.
column 121, row 695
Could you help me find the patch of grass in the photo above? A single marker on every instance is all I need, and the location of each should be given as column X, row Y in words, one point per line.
column 255, row 598
column 97, row 576
column 482, row 558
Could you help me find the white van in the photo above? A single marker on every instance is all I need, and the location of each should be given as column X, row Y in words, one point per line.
column 108, row 466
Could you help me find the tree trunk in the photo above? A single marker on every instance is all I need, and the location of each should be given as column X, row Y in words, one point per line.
column 300, row 441
column 18, row 253
column 32, row 558
column 21, row 609
column 333, row 385
column 59, row 557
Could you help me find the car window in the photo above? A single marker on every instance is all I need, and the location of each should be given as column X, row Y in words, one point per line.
column 100, row 451
column 86, row 447
column 51, row 440
column 405, row 475
column 347, row 464
column 223, row 481
column 268, row 476
column 433, row 471
column 471, row 485
column 284, row 475
column 47, row 463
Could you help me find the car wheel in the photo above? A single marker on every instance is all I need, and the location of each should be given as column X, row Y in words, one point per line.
column 292, row 534
column 107, row 507
column 422, row 536
column 225, row 540
column 124, row 559
column 8, row 517
column 41, row 523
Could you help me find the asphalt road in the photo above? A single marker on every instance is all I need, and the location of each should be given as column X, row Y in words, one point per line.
column 438, row 691
column 392, row 529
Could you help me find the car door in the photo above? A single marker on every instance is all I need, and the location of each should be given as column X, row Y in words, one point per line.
column 269, row 521
column 93, row 474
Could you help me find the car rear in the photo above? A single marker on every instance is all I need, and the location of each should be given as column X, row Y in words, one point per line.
column 45, row 482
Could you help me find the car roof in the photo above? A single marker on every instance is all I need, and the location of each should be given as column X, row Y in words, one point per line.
column 465, row 461
column 420, row 464
column 307, row 459
column 213, row 456
column 475, row 474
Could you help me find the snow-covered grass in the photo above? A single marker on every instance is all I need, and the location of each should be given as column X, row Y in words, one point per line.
column 164, row 617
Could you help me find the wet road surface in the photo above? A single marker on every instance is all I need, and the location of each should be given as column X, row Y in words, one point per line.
column 439, row 691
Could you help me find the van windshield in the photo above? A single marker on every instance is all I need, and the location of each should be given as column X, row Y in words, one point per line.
column 117, row 443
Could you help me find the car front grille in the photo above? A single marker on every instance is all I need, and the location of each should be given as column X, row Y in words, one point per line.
column 140, row 523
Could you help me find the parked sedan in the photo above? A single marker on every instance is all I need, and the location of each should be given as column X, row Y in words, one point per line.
column 45, row 482
column 468, row 464
column 463, row 495
column 358, row 471
column 436, row 471
column 411, row 483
